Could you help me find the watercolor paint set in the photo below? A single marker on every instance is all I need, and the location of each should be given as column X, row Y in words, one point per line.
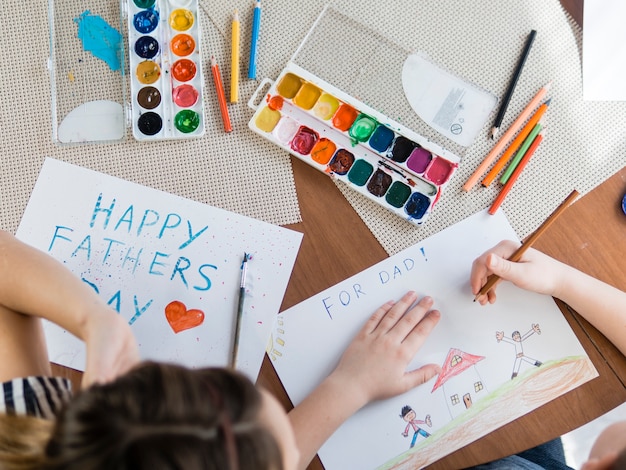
column 165, row 69
column 126, row 67
column 359, row 146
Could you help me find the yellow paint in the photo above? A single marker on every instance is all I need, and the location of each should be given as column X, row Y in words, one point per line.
column 267, row 119
column 181, row 19
column 307, row 96
column 148, row 72
column 289, row 86
column 326, row 106
column 70, row 76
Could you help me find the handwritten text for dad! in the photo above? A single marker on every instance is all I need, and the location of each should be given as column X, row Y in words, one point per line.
column 356, row 292
column 111, row 226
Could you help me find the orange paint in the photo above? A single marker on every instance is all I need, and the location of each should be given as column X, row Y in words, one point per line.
column 307, row 96
column 184, row 70
column 182, row 44
column 276, row 103
column 148, row 72
column 289, row 85
column 180, row 318
column 344, row 117
column 323, row 151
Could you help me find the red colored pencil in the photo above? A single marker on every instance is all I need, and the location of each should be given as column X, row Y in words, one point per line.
column 221, row 96
column 518, row 170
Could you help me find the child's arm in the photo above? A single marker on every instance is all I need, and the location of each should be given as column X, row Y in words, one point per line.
column 372, row 368
column 32, row 285
column 602, row 305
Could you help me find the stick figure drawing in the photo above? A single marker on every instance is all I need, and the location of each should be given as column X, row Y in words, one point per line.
column 409, row 415
column 517, row 342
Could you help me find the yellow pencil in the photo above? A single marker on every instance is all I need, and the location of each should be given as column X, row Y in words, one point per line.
column 234, row 64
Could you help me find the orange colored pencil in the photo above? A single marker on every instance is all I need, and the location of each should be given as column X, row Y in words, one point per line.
column 506, row 137
column 221, row 96
column 518, row 170
column 515, row 144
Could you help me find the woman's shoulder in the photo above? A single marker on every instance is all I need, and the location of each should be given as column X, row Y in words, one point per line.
column 38, row 396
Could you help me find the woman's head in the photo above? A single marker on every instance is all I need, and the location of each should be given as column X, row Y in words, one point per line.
column 164, row 416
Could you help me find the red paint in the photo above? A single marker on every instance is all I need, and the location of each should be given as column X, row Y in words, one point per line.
column 304, row 140
column 439, row 170
column 276, row 103
column 184, row 70
column 180, row 318
column 344, row 117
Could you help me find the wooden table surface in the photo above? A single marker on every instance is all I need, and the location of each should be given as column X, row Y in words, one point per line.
column 590, row 235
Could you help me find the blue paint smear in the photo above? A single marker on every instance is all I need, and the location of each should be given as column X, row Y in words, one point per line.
column 100, row 38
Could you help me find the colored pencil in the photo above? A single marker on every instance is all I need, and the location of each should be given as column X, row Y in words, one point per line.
column 493, row 173
column 240, row 303
column 221, row 97
column 234, row 60
column 520, row 154
column 512, row 84
column 518, row 170
column 506, row 137
column 517, row 255
column 256, row 25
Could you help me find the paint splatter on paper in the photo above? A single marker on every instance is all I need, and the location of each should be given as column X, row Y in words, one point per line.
column 100, row 38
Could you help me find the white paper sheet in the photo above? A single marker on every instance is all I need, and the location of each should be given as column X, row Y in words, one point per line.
column 604, row 50
column 310, row 337
column 142, row 249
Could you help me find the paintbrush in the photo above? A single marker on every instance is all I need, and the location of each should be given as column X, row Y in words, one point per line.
column 242, row 297
column 517, row 255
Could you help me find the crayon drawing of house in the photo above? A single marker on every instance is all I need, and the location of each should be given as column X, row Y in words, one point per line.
column 460, row 381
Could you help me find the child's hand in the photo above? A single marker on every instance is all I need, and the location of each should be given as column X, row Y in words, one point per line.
column 535, row 271
column 111, row 347
column 374, row 365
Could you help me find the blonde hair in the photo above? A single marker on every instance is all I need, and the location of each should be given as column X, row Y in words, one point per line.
column 22, row 441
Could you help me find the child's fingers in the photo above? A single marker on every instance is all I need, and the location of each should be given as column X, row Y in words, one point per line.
column 420, row 376
column 418, row 334
column 410, row 319
column 373, row 321
column 395, row 313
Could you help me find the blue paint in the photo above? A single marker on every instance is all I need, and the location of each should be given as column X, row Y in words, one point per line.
column 381, row 138
column 146, row 21
column 624, row 204
column 417, row 205
column 100, row 38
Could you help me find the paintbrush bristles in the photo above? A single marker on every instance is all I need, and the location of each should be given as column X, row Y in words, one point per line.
column 517, row 255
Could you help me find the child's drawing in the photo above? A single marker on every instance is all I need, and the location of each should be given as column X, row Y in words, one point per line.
column 170, row 266
column 517, row 341
column 409, row 415
column 473, row 394
column 460, row 381
column 180, row 318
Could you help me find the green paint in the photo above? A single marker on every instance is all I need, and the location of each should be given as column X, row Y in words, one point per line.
column 362, row 128
column 187, row 121
column 398, row 194
column 360, row 172
column 144, row 3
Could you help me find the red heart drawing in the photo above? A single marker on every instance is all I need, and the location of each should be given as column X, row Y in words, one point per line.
column 180, row 318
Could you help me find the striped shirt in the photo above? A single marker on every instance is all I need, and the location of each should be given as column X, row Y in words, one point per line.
column 41, row 397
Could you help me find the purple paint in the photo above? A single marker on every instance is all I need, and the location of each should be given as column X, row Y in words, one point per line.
column 440, row 170
column 419, row 159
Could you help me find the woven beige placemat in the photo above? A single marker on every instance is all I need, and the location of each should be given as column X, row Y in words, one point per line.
column 238, row 171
